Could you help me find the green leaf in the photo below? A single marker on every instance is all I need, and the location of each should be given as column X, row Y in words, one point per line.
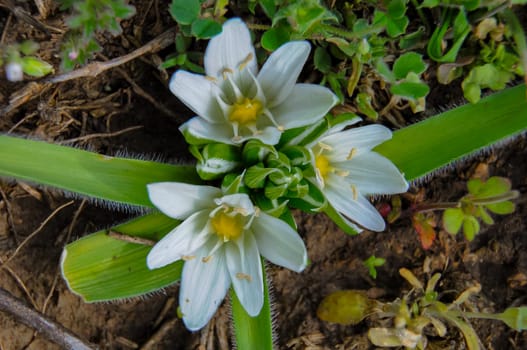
column 515, row 317
column 435, row 47
column 345, row 307
column 322, row 60
column 111, row 178
column 502, row 208
column 410, row 90
column 275, row 37
column 253, row 333
column 205, row 28
column 35, row 67
column 337, row 219
column 408, row 62
column 421, row 148
column 185, row 11
column 470, row 227
column 100, row 268
column 452, row 220
column 494, row 186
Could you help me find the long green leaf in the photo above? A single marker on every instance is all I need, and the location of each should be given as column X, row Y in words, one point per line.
column 99, row 267
column 438, row 141
column 254, row 333
column 111, row 178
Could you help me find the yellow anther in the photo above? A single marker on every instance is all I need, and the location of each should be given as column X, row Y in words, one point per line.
column 243, row 276
column 355, row 192
column 245, row 61
column 209, row 78
column 188, row 257
column 352, row 153
column 324, row 146
column 280, row 128
column 342, row 173
column 207, row 259
column 225, row 71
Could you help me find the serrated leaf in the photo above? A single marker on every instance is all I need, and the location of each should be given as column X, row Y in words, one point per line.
column 101, row 268
column 408, row 62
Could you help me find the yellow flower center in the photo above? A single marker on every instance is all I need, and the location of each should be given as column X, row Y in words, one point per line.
column 246, row 112
column 323, row 165
column 227, row 227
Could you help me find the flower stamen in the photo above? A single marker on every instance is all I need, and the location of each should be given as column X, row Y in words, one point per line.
column 352, row 153
column 245, row 61
column 243, row 276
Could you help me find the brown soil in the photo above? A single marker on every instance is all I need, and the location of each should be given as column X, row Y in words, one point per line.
column 108, row 103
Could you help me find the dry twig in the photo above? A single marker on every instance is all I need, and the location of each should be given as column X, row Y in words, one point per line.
column 53, row 331
column 33, row 89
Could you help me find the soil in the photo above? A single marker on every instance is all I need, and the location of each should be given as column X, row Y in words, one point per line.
column 34, row 229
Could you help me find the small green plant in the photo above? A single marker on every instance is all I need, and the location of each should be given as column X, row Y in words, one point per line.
column 372, row 263
column 418, row 309
column 18, row 59
column 493, row 195
column 89, row 17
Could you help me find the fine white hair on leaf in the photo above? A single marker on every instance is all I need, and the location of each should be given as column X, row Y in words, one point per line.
column 272, row 306
column 460, row 162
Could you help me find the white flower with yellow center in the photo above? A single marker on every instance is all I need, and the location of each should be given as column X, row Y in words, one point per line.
column 234, row 102
column 347, row 170
column 220, row 239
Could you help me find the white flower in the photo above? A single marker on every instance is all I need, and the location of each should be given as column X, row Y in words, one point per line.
column 234, row 102
column 13, row 71
column 220, row 239
column 347, row 170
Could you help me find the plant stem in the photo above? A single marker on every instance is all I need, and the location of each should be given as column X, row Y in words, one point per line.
column 422, row 208
column 346, row 34
column 496, row 199
column 421, row 15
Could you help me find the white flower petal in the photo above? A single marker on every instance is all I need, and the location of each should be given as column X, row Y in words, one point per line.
column 307, row 104
column 362, row 139
column 245, row 268
column 232, row 47
column 202, row 129
column 183, row 240
column 340, row 195
column 203, row 287
column 237, row 200
column 281, row 70
column 279, row 243
column 374, row 174
column 180, row 200
column 198, row 94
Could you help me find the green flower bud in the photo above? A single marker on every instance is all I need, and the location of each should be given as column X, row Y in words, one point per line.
column 216, row 159
column 255, row 151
